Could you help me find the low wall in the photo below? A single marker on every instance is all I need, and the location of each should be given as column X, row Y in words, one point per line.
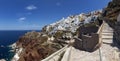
column 87, row 30
column 57, row 55
column 90, row 42
column 91, row 38
column 66, row 56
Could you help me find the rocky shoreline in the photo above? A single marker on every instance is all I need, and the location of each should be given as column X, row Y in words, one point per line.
column 17, row 51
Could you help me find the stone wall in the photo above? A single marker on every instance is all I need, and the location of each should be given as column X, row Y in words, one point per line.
column 87, row 43
column 89, row 39
column 90, row 42
column 87, row 30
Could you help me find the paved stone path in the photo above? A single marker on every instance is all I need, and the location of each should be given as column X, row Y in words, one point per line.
column 107, row 50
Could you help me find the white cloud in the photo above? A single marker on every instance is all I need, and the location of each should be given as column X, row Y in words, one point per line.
column 31, row 7
column 22, row 19
column 58, row 3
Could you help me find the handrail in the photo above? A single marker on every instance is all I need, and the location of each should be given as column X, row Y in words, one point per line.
column 101, row 27
column 68, row 51
column 100, row 35
column 55, row 54
column 77, row 38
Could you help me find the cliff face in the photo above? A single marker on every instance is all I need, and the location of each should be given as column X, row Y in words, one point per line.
column 111, row 16
column 112, row 11
column 35, row 46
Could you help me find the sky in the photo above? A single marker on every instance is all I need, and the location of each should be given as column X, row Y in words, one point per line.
column 35, row 14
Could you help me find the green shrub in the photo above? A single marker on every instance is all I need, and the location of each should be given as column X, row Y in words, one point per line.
column 58, row 34
column 43, row 39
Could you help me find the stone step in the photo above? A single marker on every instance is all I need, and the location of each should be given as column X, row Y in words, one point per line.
column 107, row 31
column 107, row 34
column 108, row 28
column 103, row 36
column 107, row 40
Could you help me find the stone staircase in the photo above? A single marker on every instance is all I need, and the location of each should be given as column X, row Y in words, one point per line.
column 107, row 32
column 107, row 51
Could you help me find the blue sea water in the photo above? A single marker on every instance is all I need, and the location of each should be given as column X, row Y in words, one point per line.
column 7, row 38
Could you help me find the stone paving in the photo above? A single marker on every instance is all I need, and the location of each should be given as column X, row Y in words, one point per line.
column 107, row 51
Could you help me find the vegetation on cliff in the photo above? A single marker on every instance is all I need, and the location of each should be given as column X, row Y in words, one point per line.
column 112, row 11
column 37, row 46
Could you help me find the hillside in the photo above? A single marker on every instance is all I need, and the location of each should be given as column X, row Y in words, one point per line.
column 35, row 46
column 111, row 15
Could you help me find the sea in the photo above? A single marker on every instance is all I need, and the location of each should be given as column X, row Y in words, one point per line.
column 8, row 37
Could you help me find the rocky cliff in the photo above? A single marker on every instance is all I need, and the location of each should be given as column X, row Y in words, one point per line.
column 35, row 46
column 111, row 15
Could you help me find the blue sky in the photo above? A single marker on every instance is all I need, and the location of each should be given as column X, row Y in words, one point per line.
column 34, row 14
